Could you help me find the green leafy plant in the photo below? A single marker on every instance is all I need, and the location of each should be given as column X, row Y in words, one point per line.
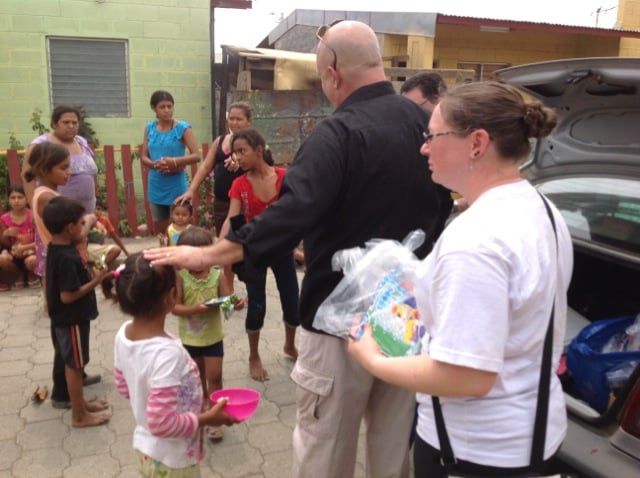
column 4, row 181
column 124, row 227
column 36, row 122
column 14, row 143
column 204, row 214
column 85, row 129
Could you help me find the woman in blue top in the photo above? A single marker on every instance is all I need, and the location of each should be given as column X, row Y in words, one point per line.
column 163, row 152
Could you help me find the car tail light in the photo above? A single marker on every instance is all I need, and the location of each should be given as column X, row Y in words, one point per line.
column 630, row 422
column 626, row 438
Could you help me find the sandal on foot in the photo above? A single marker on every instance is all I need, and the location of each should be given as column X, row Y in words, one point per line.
column 33, row 284
column 215, row 433
column 17, row 285
column 61, row 404
column 4, row 287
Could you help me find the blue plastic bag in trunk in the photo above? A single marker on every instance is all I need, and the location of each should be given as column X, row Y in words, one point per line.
column 589, row 365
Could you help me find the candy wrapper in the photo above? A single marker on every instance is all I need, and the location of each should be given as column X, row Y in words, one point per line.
column 102, row 263
column 227, row 304
column 377, row 288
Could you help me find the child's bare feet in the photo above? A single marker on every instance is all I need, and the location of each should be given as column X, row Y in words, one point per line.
column 291, row 351
column 257, row 371
column 96, row 405
column 90, row 420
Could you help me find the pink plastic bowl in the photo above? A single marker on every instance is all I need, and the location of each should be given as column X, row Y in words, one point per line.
column 242, row 402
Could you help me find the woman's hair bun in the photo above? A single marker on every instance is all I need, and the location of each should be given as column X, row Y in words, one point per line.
column 539, row 119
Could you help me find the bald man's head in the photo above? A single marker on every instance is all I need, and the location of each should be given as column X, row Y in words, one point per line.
column 355, row 46
column 348, row 57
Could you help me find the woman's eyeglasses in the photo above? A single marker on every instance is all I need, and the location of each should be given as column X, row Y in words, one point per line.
column 429, row 137
column 321, row 33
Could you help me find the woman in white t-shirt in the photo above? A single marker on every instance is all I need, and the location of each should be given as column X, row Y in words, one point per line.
column 485, row 292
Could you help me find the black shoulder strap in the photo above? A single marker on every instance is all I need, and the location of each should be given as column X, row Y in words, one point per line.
column 448, row 459
column 542, row 409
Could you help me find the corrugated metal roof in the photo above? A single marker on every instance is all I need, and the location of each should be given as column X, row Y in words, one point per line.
column 422, row 23
column 382, row 22
column 537, row 26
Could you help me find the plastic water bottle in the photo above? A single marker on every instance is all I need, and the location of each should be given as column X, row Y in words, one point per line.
column 617, row 343
column 633, row 334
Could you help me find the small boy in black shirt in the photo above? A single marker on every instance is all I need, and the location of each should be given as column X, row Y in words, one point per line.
column 72, row 303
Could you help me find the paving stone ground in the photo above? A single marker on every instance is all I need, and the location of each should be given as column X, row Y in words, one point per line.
column 37, row 440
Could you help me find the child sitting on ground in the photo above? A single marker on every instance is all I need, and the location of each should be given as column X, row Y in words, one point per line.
column 17, row 235
column 154, row 371
column 102, row 229
column 72, row 303
column 200, row 326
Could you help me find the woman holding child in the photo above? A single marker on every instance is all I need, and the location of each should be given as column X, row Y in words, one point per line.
column 163, row 153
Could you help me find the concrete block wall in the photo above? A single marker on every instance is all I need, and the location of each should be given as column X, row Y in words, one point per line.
column 168, row 48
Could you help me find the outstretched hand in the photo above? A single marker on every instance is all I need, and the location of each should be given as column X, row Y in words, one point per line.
column 364, row 349
column 186, row 197
column 188, row 257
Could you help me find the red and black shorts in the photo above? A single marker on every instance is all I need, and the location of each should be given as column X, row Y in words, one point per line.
column 73, row 341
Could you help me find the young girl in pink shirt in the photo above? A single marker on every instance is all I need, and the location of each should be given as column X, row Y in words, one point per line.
column 155, row 372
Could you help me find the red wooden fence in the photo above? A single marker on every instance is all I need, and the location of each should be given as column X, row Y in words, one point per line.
column 126, row 178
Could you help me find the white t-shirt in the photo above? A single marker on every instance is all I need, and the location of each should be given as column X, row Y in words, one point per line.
column 155, row 363
column 485, row 293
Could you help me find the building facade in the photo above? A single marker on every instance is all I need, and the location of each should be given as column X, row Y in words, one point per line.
column 433, row 40
column 107, row 56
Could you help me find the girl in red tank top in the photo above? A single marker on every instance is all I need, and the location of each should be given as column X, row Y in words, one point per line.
column 251, row 194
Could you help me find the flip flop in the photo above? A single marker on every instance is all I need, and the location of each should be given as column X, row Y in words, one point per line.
column 215, row 433
column 4, row 287
column 18, row 285
column 33, row 284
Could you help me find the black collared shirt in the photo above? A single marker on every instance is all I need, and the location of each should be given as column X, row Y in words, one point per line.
column 358, row 176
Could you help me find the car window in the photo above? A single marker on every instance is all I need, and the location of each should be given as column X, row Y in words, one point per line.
column 603, row 210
